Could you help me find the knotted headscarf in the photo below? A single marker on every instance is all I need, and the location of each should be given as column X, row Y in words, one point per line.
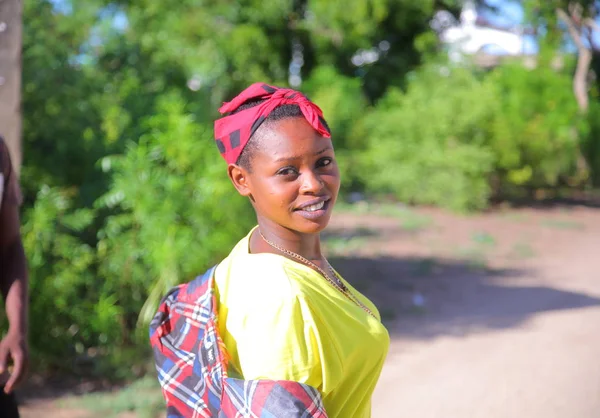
column 232, row 132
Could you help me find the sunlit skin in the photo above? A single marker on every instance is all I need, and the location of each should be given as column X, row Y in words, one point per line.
column 294, row 166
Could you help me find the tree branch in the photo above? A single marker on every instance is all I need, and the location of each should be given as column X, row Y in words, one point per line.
column 584, row 56
column 591, row 23
column 572, row 27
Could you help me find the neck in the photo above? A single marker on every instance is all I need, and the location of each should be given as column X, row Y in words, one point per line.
column 306, row 245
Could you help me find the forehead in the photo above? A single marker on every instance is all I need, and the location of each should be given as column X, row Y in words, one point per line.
column 291, row 138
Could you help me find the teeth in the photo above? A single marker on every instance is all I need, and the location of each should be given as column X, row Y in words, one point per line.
column 313, row 208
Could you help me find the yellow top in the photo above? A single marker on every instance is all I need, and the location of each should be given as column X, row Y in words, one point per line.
column 281, row 320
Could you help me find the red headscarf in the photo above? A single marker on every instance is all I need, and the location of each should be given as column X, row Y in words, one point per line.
column 233, row 132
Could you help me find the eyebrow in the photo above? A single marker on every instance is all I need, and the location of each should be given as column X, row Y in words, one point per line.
column 297, row 157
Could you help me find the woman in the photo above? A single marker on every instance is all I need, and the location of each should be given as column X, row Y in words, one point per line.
column 283, row 312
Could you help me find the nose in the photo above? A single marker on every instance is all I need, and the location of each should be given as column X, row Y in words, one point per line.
column 311, row 183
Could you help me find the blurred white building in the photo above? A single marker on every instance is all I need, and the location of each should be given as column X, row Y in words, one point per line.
column 472, row 35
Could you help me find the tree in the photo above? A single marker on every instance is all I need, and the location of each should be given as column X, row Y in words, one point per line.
column 579, row 19
column 10, row 78
column 557, row 24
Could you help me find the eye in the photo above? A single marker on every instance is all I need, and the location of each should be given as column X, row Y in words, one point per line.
column 287, row 171
column 324, row 162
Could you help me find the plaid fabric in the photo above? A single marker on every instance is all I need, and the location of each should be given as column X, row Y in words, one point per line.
column 191, row 362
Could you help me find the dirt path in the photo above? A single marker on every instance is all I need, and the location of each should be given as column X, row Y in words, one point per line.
column 519, row 340
column 509, row 324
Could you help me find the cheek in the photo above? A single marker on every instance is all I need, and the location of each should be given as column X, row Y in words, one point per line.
column 333, row 181
column 279, row 194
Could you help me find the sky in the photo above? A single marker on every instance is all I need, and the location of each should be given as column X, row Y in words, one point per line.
column 511, row 14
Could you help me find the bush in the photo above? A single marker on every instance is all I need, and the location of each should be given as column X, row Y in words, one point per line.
column 591, row 145
column 175, row 211
column 455, row 139
column 428, row 145
column 70, row 310
column 169, row 214
column 537, row 131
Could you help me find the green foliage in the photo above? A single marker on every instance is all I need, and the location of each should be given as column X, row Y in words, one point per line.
column 174, row 209
column 93, row 268
column 455, row 138
column 536, row 132
column 62, row 283
column 336, row 30
column 428, row 145
column 591, row 142
column 142, row 397
column 563, row 224
column 225, row 45
column 351, row 22
column 57, row 150
column 522, row 250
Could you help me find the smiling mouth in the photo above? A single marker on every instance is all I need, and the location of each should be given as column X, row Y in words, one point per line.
column 314, row 208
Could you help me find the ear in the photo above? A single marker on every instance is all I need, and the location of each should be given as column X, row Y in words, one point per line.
column 239, row 178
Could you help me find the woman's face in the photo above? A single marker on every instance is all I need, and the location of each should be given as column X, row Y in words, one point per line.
column 294, row 178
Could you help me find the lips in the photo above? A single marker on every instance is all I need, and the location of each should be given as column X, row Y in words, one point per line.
column 315, row 209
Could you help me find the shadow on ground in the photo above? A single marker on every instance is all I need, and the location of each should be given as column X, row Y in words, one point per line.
column 459, row 298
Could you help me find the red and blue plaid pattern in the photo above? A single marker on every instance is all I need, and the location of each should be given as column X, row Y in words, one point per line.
column 191, row 362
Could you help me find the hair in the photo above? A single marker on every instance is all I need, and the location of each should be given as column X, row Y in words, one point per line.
column 286, row 111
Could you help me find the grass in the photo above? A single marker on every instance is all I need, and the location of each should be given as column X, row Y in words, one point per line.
column 563, row 224
column 417, row 310
column 364, row 207
column 522, row 250
column 516, row 217
column 340, row 246
column 414, row 222
column 476, row 254
column 387, row 314
column 475, row 257
column 356, row 208
column 410, row 220
column 478, row 262
column 484, row 240
column 345, row 242
column 143, row 397
column 424, row 267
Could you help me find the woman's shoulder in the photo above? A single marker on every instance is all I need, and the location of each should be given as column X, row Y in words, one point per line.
column 256, row 271
column 261, row 280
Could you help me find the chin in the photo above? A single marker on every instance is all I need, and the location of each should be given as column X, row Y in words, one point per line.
column 306, row 226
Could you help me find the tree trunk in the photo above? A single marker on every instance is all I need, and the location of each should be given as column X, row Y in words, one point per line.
column 580, row 79
column 10, row 77
column 580, row 84
column 580, row 89
column 584, row 60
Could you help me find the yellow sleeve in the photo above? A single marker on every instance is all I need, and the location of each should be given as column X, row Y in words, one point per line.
column 276, row 340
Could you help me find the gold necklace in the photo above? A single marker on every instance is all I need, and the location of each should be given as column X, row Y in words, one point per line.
column 333, row 280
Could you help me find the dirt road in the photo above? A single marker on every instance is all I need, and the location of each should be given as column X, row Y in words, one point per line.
column 519, row 340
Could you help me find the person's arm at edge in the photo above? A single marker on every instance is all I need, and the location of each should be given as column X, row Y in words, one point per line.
column 13, row 284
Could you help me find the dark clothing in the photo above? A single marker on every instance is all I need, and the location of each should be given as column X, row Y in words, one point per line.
column 8, row 405
column 10, row 194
